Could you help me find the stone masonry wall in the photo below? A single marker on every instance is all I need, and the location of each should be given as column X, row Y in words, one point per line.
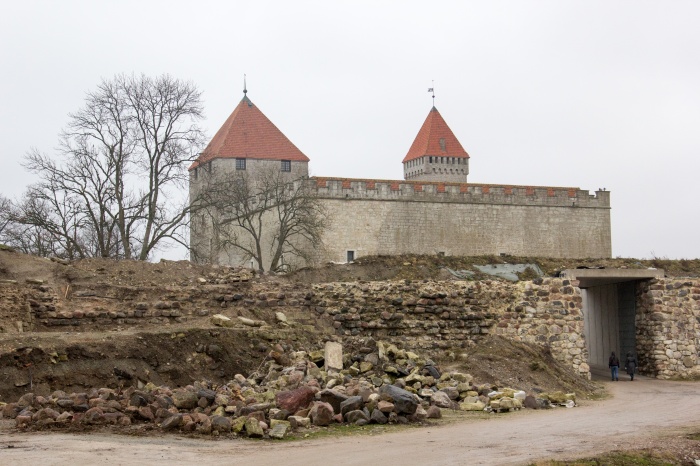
column 435, row 316
column 16, row 301
column 668, row 328
column 390, row 217
column 372, row 217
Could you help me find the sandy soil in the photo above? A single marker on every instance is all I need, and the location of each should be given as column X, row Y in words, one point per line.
column 646, row 413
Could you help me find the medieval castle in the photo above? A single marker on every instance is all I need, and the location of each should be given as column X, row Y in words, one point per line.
column 434, row 210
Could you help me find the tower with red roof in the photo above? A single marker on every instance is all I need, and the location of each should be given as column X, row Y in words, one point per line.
column 436, row 154
column 249, row 141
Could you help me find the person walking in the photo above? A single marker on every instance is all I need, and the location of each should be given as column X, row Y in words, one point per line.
column 631, row 365
column 614, row 365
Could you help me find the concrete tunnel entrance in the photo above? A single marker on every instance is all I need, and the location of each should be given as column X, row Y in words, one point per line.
column 609, row 311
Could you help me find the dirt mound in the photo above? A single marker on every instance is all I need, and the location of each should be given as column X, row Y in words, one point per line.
column 508, row 363
column 421, row 267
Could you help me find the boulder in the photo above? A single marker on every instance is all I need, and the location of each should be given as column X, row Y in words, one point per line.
column 253, row 428
column 432, row 371
column 279, row 429
column 221, row 320
column 452, row 392
column 419, row 415
column 250, row 322
column 333, row 357
column 433, row 412
column 351, row 404
column 475, row 406
column 294, row 400
column 237, row 424
column 530, row 402
column 333, row 397
column 299, row 421
column 321, row 413
column 185, row 399
column 173, row 422
column 378, row 417
column 441, row 399
column 385, row 406
column 221, row 424
column 353, row 417
column 404, row 401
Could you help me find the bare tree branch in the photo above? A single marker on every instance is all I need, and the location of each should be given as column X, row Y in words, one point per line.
column 120, row 164
column 266, row 217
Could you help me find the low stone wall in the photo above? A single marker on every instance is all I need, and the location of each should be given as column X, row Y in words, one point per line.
column 668, row 328
column 437, row 316
column 16, row 304
column 428, row 316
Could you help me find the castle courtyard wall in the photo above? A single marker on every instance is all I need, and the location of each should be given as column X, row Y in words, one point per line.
column 375, row 217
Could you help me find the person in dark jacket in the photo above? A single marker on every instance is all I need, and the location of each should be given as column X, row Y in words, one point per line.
column 631, row 365
column 614, row 365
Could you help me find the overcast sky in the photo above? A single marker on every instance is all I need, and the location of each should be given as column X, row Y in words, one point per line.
column 594, row 94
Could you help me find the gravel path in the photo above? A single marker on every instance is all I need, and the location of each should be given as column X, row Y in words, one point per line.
column 637, row 412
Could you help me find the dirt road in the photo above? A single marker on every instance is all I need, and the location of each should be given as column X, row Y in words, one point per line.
column 638, row 411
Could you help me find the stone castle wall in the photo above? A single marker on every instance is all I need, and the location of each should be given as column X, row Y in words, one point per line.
column 668, row 327
column 398, row 217
column 437, row 316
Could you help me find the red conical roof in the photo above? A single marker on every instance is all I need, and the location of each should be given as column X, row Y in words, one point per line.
column 248, row 134
column 435, row 138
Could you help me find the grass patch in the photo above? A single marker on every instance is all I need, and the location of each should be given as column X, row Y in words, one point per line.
column 617, row 458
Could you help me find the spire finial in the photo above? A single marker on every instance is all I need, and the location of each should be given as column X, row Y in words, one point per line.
column 245, row 87
column 432, row 89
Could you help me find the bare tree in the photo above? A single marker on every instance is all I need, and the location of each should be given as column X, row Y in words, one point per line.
column 5, row 214
column 265, row 217
column 122, row 165
column 45, row 226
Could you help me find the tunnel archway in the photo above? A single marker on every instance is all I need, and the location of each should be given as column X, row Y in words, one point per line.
column 609, row 311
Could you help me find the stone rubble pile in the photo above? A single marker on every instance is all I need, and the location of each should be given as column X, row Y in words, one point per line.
column 380, row 384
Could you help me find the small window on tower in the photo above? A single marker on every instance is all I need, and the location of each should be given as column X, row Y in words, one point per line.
column 286, row 165
column 442, row 144
column 240, row 164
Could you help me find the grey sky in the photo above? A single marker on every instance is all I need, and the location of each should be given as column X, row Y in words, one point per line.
column 584, row 94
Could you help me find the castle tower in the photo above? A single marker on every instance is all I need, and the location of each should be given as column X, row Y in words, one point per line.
column 249, row 141
column 249, row 147
column 436, row 154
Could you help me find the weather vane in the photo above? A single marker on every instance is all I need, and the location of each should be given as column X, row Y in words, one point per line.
column 432, row 89
column 245, row 87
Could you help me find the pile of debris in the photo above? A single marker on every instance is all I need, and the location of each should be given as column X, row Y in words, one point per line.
column 381, row 384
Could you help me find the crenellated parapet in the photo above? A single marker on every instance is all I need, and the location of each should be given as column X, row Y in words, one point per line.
column 463, row 193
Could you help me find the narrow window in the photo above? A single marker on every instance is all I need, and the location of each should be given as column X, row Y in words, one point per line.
column 195, row 173
column 442, row 144
column 351, row 256
column 431, row 159
column 240, row 164
column 286, row 165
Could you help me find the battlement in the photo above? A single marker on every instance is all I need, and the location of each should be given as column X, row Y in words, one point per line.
column 463, row 193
